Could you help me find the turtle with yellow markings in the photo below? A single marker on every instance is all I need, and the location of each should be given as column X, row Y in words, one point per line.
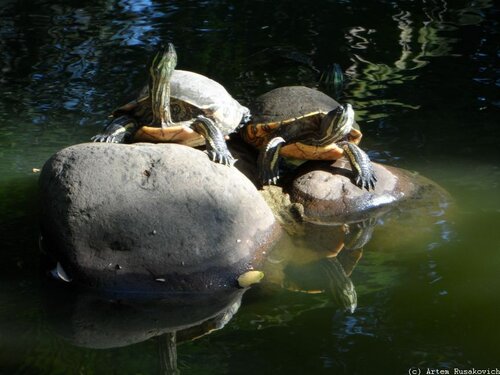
column 301, row 123
column 178, row 106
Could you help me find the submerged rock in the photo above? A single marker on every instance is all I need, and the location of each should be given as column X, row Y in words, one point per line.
column 152, row 218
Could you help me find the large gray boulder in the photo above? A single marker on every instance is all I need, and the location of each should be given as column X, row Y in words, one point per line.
column 153, row 218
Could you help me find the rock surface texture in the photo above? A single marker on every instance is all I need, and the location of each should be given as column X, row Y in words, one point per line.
column 154, row 218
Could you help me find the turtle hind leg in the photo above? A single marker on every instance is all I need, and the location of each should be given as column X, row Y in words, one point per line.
column 364, row 175
column 268, row 161
column 119, row 130
column 215, row 143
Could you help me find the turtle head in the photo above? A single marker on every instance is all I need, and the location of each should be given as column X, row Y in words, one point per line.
column 164, row 62
column 160, row 71
column 340, row 121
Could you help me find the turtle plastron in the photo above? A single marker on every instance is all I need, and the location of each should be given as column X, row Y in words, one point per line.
column 331, row 151
column 306, row 152
column 177, row 134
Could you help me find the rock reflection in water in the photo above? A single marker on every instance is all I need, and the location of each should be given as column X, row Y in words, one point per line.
column 104, row 321
column 321, row 257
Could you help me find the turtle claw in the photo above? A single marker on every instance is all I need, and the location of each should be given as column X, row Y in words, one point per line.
column 366, row 180
column 99, row 138
column 372, row 183
column 269, row 177
column 229, row 161
column 221, row 158
column 361, row 165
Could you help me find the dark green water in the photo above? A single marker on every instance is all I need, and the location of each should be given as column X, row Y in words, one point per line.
column 425, row 85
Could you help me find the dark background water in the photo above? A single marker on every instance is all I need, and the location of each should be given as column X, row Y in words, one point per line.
column 423, row 79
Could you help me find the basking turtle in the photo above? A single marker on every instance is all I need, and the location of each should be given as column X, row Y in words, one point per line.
column 301, row 123
column 178, row 106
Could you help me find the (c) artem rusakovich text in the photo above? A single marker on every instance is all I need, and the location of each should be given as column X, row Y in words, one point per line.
column 463, row 371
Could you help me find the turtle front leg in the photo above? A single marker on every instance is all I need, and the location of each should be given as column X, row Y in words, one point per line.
column 364, row 175
column 268, row 161
column 340, row 286
column 119, row 130
column 216, row 146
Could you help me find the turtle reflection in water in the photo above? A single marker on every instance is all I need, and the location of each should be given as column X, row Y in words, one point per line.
column 178, row 106
column 280, row 127
column 316, row 257
column 330, row 273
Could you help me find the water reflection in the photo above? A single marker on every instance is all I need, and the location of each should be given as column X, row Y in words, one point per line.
column 320, row 258
column 420, row 39
column 60, row 58
column 99, row 321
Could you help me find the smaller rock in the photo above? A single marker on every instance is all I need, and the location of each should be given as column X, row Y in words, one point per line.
column 328, row 194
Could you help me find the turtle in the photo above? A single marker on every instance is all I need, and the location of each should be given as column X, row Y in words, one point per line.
column 178, row 106
column 304, row 124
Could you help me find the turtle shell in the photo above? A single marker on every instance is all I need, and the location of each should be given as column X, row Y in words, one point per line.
column 289, row 102
column 301, row 108
column 209, row 96
column 196, row 94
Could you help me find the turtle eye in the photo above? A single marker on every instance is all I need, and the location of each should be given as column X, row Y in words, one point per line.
column 347, row 110
column 341, row 112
